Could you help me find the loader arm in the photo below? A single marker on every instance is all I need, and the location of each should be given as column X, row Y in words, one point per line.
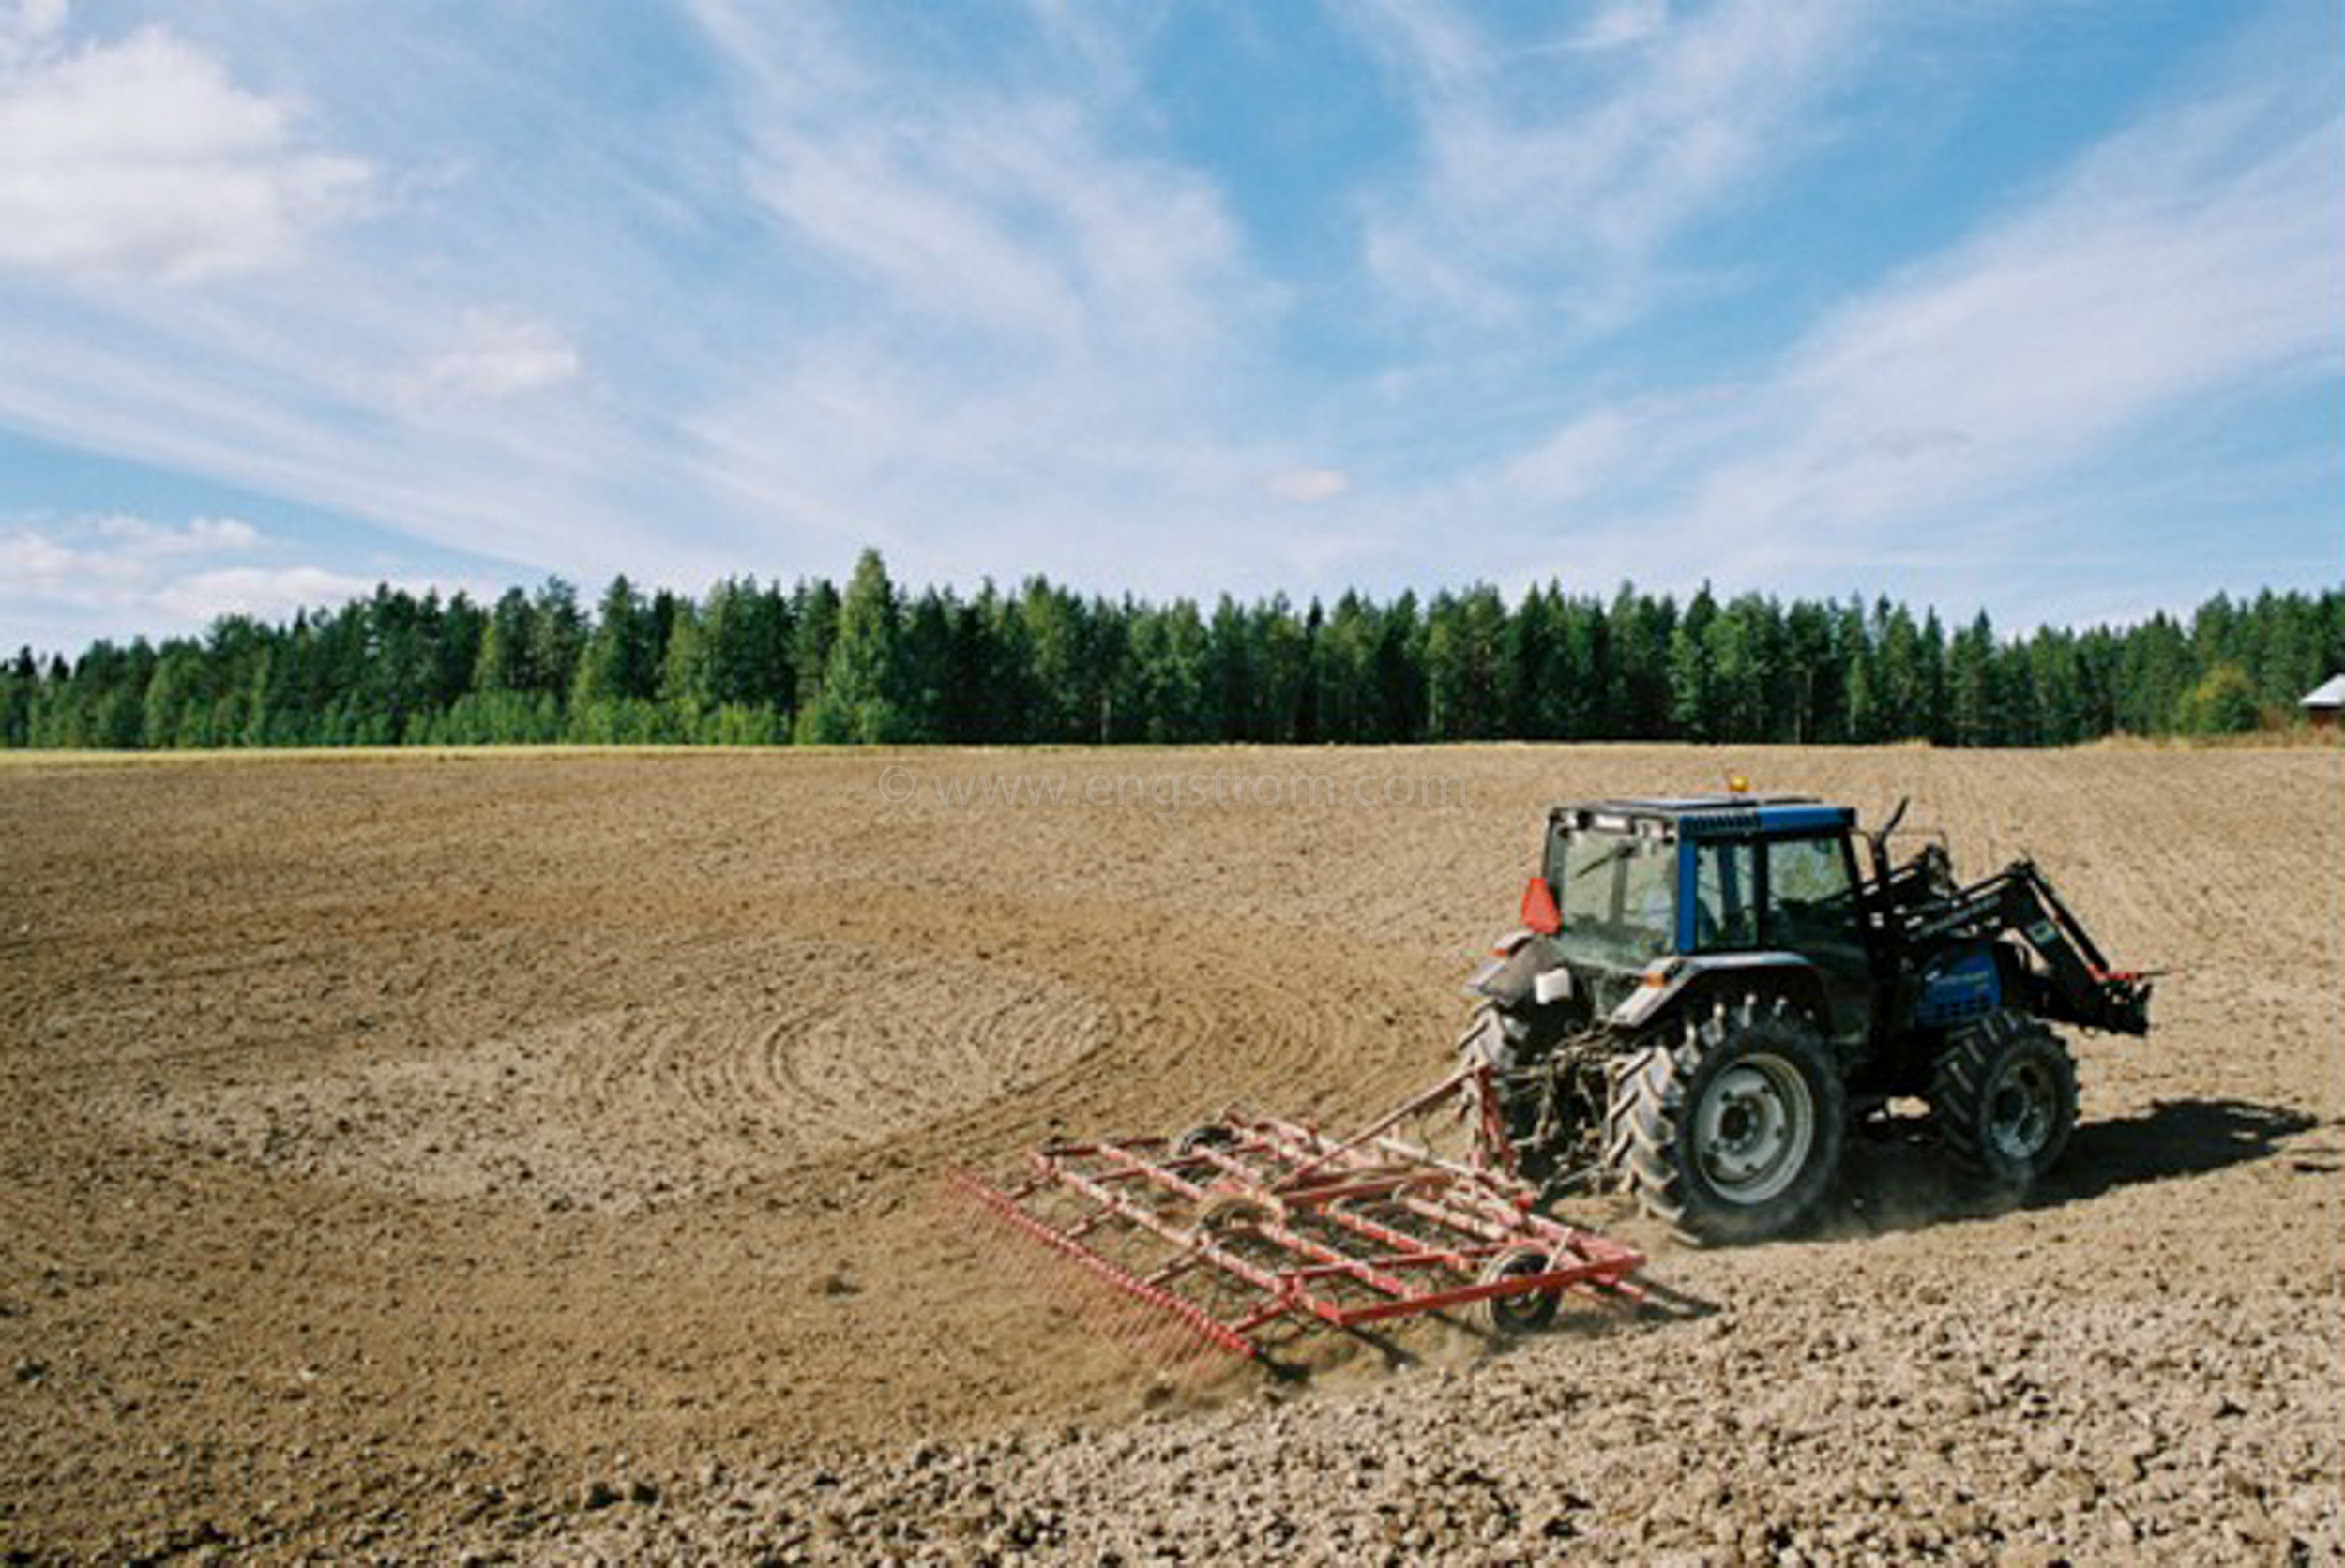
column 2078, row 987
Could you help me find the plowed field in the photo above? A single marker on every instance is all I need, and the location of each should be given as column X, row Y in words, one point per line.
column 537, row 1156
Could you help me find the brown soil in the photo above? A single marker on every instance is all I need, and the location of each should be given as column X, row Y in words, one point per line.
column 538, row 1158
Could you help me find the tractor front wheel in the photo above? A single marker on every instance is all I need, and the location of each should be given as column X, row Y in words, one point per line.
column 1733, row 1133
column 2004, row 1095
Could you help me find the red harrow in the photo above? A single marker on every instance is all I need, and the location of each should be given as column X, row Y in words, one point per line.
column 1247, row 1223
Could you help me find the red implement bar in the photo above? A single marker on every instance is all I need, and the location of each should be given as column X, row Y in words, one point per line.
column 1249, row 1220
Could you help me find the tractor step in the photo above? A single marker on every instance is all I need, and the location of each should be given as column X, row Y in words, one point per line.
column 1249, row 1224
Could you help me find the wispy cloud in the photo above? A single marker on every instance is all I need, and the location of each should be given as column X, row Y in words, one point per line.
column 1307, row 485
column 2184, row 264
column 1542, row 188
column 998, row 215
column 1622, row 22
column 504, row 353
column 1002, row 315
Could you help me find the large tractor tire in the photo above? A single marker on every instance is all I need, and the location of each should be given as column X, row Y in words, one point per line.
column 1732, row 1134
column 2004, row 1093
column 1512, row 1035
column 1502, row 1038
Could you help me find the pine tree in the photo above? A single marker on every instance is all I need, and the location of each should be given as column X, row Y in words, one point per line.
column 1230, row 673
column 814, row 625
column 1639, row 698
column 1343, row 660
column 505, row 642
column 19, row 684
column 619, row 661
column 1693, row 695
column 862, row 699
column 558, row 632
column 1536, row 679
column 1977, row 719
column 1465, row 665
column 1281, row 671
column 927, row 666
column 1401, row 683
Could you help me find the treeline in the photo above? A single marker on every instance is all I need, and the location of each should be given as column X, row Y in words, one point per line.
column 759, row 663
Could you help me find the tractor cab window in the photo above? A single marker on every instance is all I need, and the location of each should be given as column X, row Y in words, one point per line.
column 1808, row 893
column 1617, row 895
column 1726, row 896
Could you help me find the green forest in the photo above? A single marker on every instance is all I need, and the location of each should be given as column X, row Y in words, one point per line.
column 759, row 663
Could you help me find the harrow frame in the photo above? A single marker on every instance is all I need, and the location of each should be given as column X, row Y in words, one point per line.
column 1250, row 1221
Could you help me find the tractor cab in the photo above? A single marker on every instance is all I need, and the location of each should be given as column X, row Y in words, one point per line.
column 1626, row 886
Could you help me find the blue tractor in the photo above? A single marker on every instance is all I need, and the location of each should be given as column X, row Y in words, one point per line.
column 1707, row 993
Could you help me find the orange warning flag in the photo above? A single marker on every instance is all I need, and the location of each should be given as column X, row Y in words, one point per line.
column 1539, row 908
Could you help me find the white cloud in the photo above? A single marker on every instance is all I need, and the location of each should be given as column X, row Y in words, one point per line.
column 504, row 353
column 124, row 567
column 136, row 538
column 266, row 593
column 1307, row 486
column 66, row 581
column 140, row 159
column 96, row 559
column 29, row 26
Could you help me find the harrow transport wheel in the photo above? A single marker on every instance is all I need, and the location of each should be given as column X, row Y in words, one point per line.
column 1733, row 1133
column 2005, row 1096
column 1527, row 1312
column 1227, row 1211
column 1208, row 1135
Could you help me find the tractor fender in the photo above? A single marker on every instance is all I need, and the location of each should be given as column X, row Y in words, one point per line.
column 1698, row 979
column 1514, row 970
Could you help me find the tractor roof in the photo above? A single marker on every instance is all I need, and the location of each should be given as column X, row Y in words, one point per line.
column 1714, row 816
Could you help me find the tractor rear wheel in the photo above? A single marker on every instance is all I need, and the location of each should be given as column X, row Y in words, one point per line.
column 1733, row 1133
column 1500, row 1040
column 2004, row 1093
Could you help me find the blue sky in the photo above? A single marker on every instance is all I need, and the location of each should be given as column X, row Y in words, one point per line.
column 2032, row 305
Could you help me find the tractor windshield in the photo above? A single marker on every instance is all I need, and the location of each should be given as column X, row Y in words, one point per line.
column 1617, row 893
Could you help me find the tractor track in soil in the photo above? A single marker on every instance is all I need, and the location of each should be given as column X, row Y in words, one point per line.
column 399, row 1159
